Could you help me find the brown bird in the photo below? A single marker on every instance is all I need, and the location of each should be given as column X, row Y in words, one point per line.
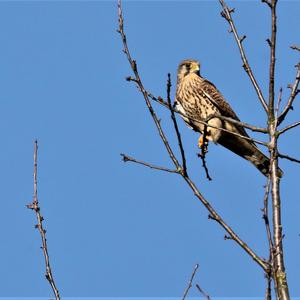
column 197, row 99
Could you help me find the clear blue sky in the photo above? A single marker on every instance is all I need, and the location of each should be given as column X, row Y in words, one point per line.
column 123, row 230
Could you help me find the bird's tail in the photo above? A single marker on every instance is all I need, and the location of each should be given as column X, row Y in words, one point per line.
column 248, row 151
column 261, row 162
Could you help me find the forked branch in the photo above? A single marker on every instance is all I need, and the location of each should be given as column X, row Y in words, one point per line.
column 127, row 158
column 294, row 93
column 173, row 117
column 190, row 283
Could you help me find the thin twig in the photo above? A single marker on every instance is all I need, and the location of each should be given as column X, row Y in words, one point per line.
column 278, row 104
column 203, row 152
column 142, row 89
column 190, row 283
column 266, row 214
column 205, row 122
column 268, row 273
column 294, row 92
column 215, row 216
column 272, row 57
column 238, row 123
column 236, row 134
column 288, row 128
column 289, row 158
column 175, row 124
column 295, row 47
column 202, row 292
column 35, row 206
column 268, row 287
column 127, row 158
column 226, row 13
column 253, row 128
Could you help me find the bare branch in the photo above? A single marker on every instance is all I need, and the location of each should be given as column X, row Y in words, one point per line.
column 230, row 120
column 295, row 47
column 202, row 292
column 164, row 103
column 268, row 273
column 272, row 6
column 226, row 13
column 239, row 123
column 203, row 152
column 289, row 158
column 288, row 128
column 239, row 135
column 266, row 215
column 278, row 266
column 184, row 169
column 268, row 287
column 242, row 38
column 141, row 87
column 294, row 92
column 214, row 215
column 267, row 2
column 36, row 208
column 127, row 158
column 278, row 105
column 190, row 282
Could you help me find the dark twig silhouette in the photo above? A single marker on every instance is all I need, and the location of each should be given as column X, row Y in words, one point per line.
column 190, row 283
column 202, row 154
column 288, row 128
column 127, row 158
column 294, row 93
column 268, row 273
column 205, row 295
column 36, row 208
column 289, row 158
column 294, row 47
column 226, row 14
column 175, row 124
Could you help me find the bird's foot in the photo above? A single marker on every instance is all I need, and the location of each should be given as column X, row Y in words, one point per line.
column 202, row 144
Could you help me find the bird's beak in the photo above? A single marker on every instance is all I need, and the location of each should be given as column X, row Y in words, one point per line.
column 195, row 67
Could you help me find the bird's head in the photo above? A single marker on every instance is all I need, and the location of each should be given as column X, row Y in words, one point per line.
column 187, row 67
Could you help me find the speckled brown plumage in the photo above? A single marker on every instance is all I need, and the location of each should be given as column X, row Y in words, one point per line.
column 197, row 98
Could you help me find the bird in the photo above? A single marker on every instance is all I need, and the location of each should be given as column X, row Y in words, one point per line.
column 197, row 99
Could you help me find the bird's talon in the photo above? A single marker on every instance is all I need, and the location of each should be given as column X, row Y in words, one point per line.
column 202, row 143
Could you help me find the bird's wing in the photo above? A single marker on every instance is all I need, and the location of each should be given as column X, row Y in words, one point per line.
column 217, row 99
column 213, row 94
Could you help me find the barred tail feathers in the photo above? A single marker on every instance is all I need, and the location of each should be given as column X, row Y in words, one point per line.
column 248, row 151
column 261, row 162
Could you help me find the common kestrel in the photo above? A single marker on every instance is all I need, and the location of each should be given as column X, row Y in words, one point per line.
column 197, row 99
